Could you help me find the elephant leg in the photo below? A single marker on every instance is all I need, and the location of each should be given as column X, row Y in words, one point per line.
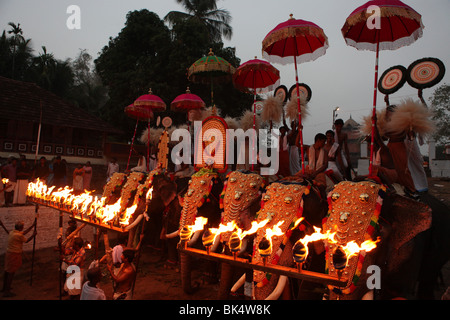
column 226, row 277
column 186, row 270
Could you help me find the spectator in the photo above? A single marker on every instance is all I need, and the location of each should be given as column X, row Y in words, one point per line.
column 113, row 167
column 9, row 172
column 23, row 175
column 87, row 176
column 59, row 173
column 41, row 170
column 90, row 291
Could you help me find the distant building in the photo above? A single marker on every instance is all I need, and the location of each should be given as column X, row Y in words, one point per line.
column 66, row 130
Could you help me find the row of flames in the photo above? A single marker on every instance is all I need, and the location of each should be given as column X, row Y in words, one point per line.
column 300, row 249
column 85, row 205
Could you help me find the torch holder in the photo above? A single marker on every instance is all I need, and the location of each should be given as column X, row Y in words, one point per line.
column 268, row 267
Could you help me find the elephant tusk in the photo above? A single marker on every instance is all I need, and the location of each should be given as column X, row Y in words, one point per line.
column 194, row 237
column 173, row 234
column 243, row 246
column 238, row 283
column 276, row 293
column 135, row 223
column 215, row 244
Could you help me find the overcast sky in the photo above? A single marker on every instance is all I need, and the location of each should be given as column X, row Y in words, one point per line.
column 343, row 77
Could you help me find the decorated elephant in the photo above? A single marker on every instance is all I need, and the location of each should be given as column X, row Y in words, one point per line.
column 360, row 211
column 240, row 200
column 283, row 204
column 200, row 200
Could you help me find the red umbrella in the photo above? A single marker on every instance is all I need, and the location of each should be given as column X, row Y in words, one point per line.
column 142, row 105
column 256, row 74
column 155, row 103
column 140, row 113
column 187, row 101
column 298, row 39
column 381, row 25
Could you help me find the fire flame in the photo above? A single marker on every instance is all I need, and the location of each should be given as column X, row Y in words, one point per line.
column 352, row 248
column 274, row 231
column 84, row 204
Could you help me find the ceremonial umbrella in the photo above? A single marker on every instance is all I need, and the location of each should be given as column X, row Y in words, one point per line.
column 256, row 74
column 381, row 25
column 187, row 101
column 295, row 41
column 209, row 69
column 140, row 113
column 142, row 105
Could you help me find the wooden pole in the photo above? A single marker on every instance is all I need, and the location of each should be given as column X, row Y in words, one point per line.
column 36, row 210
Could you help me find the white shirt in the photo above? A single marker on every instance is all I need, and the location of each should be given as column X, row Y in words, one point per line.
column 92, row 293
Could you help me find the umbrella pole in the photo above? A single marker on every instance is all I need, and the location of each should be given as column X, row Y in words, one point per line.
column 300, row 132
column 148, row 146
column 132, row 142
column 254, row 126
column 374, row 110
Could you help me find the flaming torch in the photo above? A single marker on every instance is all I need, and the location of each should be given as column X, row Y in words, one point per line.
column 339, row 260
column 265, row 245
column 208, row 240
column 300, row 253
column 187, row 231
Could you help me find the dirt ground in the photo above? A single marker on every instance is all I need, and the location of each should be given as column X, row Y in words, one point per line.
column 154, row 281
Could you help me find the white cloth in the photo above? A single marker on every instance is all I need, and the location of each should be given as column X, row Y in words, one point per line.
column 314, row 163
column 112, row 168
column 117, row 254
column 92, row 293
column 415, row 165
column 294, row 160
column 20, row 192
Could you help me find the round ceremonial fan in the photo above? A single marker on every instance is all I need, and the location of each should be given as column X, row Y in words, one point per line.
column 392, row 79
column 425, row 73
column 304, row 89
column 259, row 106
column 281, row 93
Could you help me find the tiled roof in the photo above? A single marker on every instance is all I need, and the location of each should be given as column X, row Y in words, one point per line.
column 21, row 101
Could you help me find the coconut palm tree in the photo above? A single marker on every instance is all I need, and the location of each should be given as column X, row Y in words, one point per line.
column 17, row 37
column 216, row 21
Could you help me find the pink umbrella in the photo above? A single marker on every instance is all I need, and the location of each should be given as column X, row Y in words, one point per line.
column 256, row 74
column 298, row 39
column 187, row 101
column 154, row 104
column 381, row 25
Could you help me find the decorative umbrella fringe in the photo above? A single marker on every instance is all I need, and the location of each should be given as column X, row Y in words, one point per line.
column 386, row 11
column 384, row 45
column 290, row 32
column 300, row 59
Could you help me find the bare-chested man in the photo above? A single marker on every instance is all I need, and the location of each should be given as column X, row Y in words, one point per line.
column 124, row 278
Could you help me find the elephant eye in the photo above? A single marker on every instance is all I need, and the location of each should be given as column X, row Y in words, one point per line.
column 266, row 198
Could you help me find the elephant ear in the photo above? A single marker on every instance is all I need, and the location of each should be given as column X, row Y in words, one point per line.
column 409, row 218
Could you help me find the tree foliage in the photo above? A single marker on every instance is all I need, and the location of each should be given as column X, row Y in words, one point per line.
column 147, row 54
column 440, row 103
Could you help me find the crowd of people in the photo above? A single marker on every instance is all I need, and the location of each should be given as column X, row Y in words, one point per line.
column 16, row 173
